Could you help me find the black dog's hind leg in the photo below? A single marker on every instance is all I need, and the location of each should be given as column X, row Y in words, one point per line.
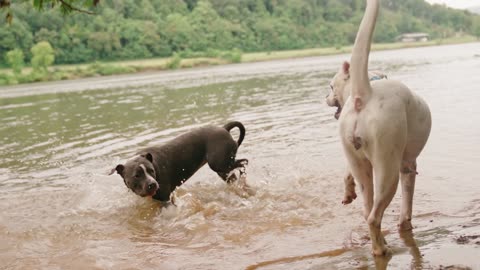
column 241, row 163
column 228, row 175
column 224, row 164
column 221, row 157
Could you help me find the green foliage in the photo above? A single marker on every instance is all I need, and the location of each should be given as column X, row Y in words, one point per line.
column 15, row 59
column 136, row 29
column 6, row 79
column 233, row 56
column 43, row 56
column 476, row 27
column 174, row 63
column 66, row 6
column 106, row 69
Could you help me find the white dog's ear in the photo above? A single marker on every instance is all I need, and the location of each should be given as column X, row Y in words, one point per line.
column 346, row 67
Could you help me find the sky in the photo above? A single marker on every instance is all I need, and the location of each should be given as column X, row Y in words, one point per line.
column 457, row 3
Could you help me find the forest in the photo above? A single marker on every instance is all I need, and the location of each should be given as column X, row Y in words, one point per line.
column 132, row 29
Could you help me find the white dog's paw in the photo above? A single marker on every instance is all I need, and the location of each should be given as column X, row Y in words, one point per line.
column 349, row 197
column 348, row 200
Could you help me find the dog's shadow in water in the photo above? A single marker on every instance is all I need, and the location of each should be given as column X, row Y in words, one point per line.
column 407, row 237
column 365, row 260
column 409, row 241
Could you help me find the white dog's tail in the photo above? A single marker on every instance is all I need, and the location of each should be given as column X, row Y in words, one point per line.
column 361, row 89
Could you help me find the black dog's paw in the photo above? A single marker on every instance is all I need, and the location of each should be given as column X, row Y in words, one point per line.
column 232, row 176
column 243, row 162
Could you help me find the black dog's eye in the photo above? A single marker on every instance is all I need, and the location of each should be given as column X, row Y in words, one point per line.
column 150, row 171
column 138, row 173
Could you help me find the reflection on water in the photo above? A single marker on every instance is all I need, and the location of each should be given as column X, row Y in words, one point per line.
column 60, row 209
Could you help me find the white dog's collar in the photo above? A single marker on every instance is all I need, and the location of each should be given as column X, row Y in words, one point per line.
column 377, row 77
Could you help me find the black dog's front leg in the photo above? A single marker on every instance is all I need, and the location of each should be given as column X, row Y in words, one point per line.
column 162, row 195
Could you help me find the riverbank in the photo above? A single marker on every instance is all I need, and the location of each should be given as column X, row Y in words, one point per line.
column 68, row 72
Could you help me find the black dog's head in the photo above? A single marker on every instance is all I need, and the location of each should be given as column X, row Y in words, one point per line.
column 139, row 175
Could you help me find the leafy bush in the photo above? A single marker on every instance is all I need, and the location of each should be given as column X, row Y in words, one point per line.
column 234, row 56
column 60, row 75
column 174, row 62
column 105, row 69
column 190, row 54
column 14, row 59
column 38, row 76
column 6, row 79
column 43, row 56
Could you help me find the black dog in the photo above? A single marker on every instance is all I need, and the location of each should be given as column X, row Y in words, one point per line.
column 158, row 170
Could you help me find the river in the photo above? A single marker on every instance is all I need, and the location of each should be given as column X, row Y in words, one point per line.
column 59, row 208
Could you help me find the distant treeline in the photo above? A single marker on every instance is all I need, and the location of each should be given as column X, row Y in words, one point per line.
column 132, row 29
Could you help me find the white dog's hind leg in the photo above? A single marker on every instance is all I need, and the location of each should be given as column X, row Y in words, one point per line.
column 350, row 194
column 386, row 182
column 408, row 174
column 361, row 170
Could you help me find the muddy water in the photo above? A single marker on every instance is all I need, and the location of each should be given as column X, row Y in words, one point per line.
column 60, row 210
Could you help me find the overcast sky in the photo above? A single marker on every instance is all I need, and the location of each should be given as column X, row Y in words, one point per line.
column 457, row 3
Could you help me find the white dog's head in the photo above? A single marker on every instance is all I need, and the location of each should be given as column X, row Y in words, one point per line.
column 339, row 91
column 340, row 87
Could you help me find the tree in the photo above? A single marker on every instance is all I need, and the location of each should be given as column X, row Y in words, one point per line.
column 43, row 56
column 210, row 30
column 46, row 35
column 178, row 31
column 15, row 59
column 476, row 27
column 132, row 41
column 103, row 43
column 16, row 35
column 66, row 6
column 153, row 28
column 386, row 30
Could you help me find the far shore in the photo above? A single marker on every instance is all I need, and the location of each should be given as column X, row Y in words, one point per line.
column 76, row 71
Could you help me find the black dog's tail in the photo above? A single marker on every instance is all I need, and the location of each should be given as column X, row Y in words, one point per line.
column 240, row 126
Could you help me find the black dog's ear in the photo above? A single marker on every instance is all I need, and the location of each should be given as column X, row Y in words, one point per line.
column 118, row 169
column 149, row 157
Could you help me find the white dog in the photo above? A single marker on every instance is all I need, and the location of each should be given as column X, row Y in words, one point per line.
column 340, row 91
column 383, row 128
